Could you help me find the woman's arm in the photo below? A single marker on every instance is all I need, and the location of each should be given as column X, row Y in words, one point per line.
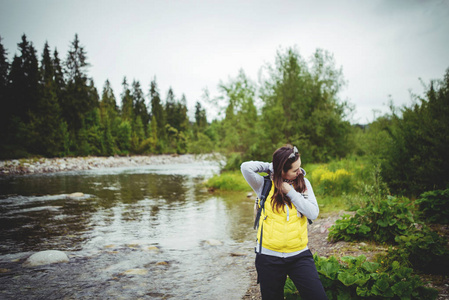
column 308, row 207
column 250, row 170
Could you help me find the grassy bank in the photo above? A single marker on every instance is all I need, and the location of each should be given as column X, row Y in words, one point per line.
column 228, row 181
column 337, row 185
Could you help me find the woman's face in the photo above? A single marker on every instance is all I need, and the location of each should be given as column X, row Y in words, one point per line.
column 293, row 172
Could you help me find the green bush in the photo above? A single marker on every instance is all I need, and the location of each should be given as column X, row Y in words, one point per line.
column 339, row 177
column 336, row 183
column 423, row 250
column 231, row 181
column 434, row 206
column 357, row 278
column 233, row 162
column 380, row 221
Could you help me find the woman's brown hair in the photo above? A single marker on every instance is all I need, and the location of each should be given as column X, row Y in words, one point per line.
column 283, row 158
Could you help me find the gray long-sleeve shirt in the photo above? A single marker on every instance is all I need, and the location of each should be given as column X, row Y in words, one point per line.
column 308, row 206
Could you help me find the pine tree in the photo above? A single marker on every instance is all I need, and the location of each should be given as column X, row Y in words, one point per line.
column 200, row 116
column 170, row 108
column 109, row 115
column 181, row 112
column 76, row 63
column 158, row 115
column 46, row 128
column 21, row 101
column 24, row 76
column 78, row 99
column 59, row 76
column 127, row 109
column 140, row 108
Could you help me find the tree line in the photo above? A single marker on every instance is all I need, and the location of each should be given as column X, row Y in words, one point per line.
column 51, row 107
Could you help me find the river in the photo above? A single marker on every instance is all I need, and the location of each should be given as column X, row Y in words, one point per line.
column 150, row 232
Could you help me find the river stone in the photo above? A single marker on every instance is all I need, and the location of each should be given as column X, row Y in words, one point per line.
column 152, row 248
column 214, row 242
column 75, row 195
column 136, row 272
column 45, row 258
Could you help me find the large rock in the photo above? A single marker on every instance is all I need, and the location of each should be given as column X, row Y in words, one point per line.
column 45, row 258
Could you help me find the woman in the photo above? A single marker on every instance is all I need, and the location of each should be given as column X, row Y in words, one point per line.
column 283, row 226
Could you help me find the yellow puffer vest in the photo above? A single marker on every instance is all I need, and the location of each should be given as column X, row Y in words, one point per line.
column 282, row 232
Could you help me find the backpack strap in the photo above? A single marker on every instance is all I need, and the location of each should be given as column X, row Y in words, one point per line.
column 265, row 191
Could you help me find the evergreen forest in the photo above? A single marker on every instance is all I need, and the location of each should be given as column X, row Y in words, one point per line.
column 50, row 107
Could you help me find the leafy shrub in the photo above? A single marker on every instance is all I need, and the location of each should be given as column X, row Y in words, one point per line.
column 424, row 250
column 434, row 206
column 327, row 182
column 380, row 221
column 233, row 161
column 202, row 144
column 232, row 181
column 357, row 278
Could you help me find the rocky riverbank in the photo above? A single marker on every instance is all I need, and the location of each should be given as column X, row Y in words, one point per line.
column 51, row 165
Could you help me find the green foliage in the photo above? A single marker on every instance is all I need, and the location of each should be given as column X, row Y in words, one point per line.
column 424, row 250
column 124, row 136
column 201, row 144
column 233, row 162
column 372, row 141
column 231, row 181
column 238, row 128
column 68, row 96
column 381, row 218
column 301, row 106
column 380, row 221
column 417, row 157
column 434, row 206
column 357, row 278
column 333, row 183
column 387, row 219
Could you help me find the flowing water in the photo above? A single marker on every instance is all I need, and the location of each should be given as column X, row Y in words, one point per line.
column 151, row 232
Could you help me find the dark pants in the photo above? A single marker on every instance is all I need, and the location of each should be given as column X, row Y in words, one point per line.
column 272, row 273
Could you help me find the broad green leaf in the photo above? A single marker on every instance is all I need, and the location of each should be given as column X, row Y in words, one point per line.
column 371, row 267
column 347, row 279
column 403, row 289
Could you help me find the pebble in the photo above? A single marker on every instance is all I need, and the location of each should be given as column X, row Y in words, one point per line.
column 214, row 243
column 136, row 272
column 50, row 165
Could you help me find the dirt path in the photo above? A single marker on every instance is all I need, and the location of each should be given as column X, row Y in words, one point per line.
column 319, row 244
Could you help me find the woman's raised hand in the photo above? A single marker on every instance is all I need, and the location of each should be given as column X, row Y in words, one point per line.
column 286, row 187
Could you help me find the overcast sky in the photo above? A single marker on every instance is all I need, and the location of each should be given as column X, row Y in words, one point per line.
column 383, row 46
